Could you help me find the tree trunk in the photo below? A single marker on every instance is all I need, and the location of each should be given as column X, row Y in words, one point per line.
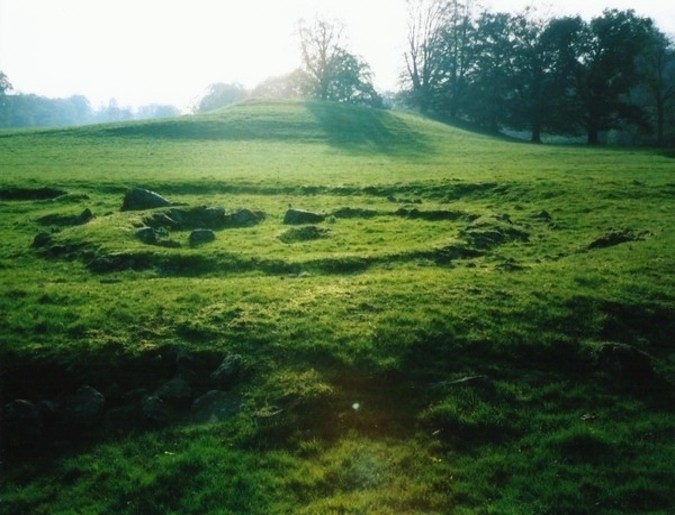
column 593, row 134
column 536, row 132
column 660, row 122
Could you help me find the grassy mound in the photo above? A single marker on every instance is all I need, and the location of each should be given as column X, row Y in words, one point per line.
column 473, row 324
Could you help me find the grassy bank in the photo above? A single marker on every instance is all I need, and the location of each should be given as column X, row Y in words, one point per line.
column 444, row 339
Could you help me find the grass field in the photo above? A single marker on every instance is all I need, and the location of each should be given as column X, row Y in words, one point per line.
column 476, row 325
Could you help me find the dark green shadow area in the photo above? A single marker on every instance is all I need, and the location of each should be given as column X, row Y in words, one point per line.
column 363, row 130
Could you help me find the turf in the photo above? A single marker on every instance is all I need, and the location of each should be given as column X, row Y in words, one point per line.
column 433, row 345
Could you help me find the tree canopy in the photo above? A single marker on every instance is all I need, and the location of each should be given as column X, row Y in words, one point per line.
column 527, row 72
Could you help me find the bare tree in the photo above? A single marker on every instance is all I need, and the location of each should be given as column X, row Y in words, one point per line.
column 332, row 72
column 425, row 55
column 320, row 43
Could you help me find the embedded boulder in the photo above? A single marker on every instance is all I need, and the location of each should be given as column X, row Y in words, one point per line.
column 614, row 238
column 42, row 240
column 215, row 406
column 155, row 411
column 625, row 363
column 299, row 216
column 176, row 393
column 22, row 423
column 147, row 235
column 84, row 408
column 67, row 220
column 201, row 236
column 246, row 218
column 487, row 232
column 228, row 372
column 138, row 199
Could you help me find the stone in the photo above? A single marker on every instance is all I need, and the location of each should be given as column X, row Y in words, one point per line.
column 176, row 393
column 201, row 236
column 162, row 220
column 614, row 238
column 228, row 372
column 215, row 406
column 138, row 199
column 84, row 217
column 147, row 235
column 42, row 240
column 202, row 217
column 625, row 363
column 246, row 218
column 21, row 423
column 155, row 410
column 299, row 216
column 84, row 408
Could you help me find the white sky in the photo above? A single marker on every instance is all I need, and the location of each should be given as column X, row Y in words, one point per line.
column 169, row 51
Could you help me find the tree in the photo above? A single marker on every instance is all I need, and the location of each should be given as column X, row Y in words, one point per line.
column 458, row 34
column 492, row 75
column 5, row 86
column 220, row 95
column 425, row 57
column 330, row 71
column 544, row 74
column 609, row 71
column 656, row 66
column 285, row 87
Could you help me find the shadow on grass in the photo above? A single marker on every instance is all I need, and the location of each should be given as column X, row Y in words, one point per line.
column 364, row 130
column 354, row 129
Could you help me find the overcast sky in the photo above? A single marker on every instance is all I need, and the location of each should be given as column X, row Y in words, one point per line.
column 169, row 51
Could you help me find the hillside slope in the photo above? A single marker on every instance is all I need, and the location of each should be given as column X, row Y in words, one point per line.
column 460, row 324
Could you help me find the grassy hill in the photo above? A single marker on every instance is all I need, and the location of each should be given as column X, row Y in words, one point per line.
column 471, row 325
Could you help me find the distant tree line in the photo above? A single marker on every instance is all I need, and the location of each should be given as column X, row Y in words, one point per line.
column 28, row 110
column 560, row 76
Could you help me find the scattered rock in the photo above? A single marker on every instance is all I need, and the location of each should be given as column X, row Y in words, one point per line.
column 228, row 372
column 161, row 220
column 305, row 233
column 298, row 216
column 431, row 216
column 245, row 218
column 201, row 236
column 84, row 408
column 614, row 238
column 155, row 410
column 351, row 212
column 487, row 232
column 118, row 262
column 215, row 406
column 67, row 220
column 626, row 364
column 176, row 393
column 137, row 199
column 21, row 423
column 203, row 217
column 147, row 235
column 42, row 240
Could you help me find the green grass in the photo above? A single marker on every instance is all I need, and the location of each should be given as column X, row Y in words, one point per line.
column 444, row 255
